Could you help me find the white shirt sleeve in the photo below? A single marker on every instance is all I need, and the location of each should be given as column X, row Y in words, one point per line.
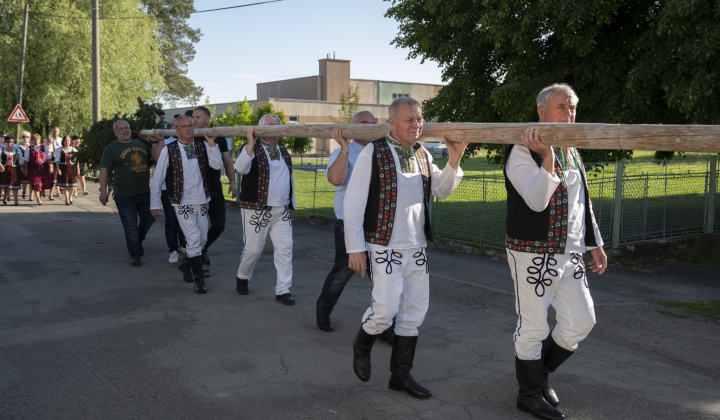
column 158, row 179
column 214, row 156
column 243, row 162
column 443, row 182
column 355, row 202
column 534, row 183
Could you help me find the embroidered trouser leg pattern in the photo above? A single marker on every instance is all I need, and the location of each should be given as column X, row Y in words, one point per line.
column 193, row 221
column 542, row 280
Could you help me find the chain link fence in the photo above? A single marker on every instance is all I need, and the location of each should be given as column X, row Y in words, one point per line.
column 657, row 199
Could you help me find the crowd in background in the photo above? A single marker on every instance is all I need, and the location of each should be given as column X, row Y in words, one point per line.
column 38, row 169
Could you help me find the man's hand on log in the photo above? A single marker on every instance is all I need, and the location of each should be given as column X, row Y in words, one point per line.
column 456, row 149
column 250, row 145
column 341, row 141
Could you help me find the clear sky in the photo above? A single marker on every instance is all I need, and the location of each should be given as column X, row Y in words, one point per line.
column 284, row 40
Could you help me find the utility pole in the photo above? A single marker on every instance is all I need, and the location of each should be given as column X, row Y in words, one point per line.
column 22, row 70
column 96, row 60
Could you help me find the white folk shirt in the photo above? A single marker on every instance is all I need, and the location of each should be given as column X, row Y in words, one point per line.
column 59, row 151
column 536, row 186
column 409, row 224
column 193, row 190
column 279, row 183
column 354, row 150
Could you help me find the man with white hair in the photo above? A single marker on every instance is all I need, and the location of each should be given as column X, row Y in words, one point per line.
column 387, row 224
column 267, row 200
column 184, row 168
column 550, row 224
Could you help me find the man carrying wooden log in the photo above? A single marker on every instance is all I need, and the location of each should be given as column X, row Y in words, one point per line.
column 183, row 167
column 267, row 199
column 340, row 167
column 550, row 224
column 387, row 224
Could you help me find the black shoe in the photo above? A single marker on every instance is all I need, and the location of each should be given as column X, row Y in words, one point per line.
column 135, row 262
column 285, row 299
column 241, row 286
column 553, row 356
column 530, row 396
column 184, row 266
column 205, row 264
column 196, row 268
column 361, row 354
column 401, row 362
column 323, row 322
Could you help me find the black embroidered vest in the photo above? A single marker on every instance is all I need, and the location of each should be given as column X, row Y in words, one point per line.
column 382, row 197
column 543, row 232
column 254, row 185
column 174, row 175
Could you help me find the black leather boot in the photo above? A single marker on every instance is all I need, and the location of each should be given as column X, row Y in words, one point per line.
column 530, row 399
column 241, row 285
column 184, row 266
column 553, row 357
column 388, row 336
column 197, row 271
column 361, row 354
column 401, row 362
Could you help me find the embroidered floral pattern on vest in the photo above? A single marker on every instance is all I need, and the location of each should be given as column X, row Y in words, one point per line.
column 557, row 224
column 388, row 189
column 175, row 161
column 264, row 176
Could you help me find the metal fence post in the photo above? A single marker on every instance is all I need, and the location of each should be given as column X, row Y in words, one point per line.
column 617, row 204
column 712, row 187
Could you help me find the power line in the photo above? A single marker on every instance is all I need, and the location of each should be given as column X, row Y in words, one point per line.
column 148, row 17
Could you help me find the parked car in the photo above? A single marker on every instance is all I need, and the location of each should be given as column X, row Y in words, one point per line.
column 437, row 149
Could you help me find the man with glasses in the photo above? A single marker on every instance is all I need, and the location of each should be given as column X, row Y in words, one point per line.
column 127, row 158
column 183, row 166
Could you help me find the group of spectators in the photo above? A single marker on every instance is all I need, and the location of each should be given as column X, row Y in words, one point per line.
column 36, row 167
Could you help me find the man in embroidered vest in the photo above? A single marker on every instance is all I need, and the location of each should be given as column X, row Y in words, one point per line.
column 127, row 158
column 550, row 224
column 267, row 199
column 183, row 166
column 216, row 214
column 387, row 224
column 340, row 167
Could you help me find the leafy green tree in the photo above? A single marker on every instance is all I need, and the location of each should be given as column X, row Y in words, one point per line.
column 176, row 39
column 348, row 106
column 57, row 87
column 243, row 116
column 632, row 62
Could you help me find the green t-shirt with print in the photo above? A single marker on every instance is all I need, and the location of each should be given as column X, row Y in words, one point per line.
column 129, row 163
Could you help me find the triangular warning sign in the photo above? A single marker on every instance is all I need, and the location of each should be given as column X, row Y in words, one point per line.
column 18, row 115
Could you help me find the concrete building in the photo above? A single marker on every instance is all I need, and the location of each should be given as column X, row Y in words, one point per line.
column 314, row 99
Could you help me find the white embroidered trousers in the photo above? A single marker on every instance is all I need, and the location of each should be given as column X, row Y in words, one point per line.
column 542, row 280
column 401, row 290
column 193, row 220
column 257, row 225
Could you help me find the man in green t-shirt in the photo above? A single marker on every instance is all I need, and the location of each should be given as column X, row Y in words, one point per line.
column 128, row 159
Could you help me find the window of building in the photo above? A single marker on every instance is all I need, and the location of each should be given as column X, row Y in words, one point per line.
column 399, row 95
column 293, row 119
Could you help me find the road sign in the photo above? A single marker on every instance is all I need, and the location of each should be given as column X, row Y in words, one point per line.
column 18, row 115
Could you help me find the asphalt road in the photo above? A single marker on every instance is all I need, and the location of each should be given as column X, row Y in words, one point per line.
column 85, row 335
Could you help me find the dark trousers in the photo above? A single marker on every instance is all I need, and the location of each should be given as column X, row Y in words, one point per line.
column 216, row 214
column 339, row 275
column 134, row 211
column 173, row 234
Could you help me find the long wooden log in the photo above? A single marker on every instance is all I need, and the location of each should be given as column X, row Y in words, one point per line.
column 679, row 138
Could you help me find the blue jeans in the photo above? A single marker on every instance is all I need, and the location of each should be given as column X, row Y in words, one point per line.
column 173, row 234
column 216, row 215
column 339, row 275
column 130, row 208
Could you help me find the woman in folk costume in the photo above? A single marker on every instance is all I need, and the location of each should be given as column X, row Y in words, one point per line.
column 24, row 144
column 38, row 167
column 67, row 168
column 9, row 169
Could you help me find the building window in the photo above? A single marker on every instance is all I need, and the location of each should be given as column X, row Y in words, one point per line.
column 293, row 119
column 399, row 95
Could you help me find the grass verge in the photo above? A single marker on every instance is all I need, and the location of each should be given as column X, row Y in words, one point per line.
column 708, row 309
